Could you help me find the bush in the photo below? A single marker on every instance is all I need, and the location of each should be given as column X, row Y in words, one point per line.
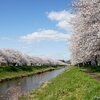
column 27, row 68
column 12, row 68
column 16, row 68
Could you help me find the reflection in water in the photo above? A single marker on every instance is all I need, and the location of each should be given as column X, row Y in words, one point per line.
column 12, row 89
column 12, row 93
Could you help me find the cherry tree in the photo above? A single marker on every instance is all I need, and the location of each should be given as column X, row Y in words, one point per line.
column 2, row 61
column 16, row 58
column 85, row 40
column 13, row 57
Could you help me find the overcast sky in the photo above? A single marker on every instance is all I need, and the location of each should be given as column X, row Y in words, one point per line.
column 36, row 27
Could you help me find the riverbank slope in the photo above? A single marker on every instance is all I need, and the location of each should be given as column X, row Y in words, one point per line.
column 9, row 73
column 73, row 84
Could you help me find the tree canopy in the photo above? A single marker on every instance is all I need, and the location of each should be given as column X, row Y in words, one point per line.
column 85, row 40
column 16, row 58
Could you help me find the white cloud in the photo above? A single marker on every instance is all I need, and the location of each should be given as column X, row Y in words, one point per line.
column 63, row 17
column 44, row 34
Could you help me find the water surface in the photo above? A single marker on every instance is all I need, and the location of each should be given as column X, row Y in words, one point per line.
column 10, row 90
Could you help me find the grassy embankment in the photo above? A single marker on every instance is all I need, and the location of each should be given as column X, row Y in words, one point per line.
column 73, row 84
column 10, row 72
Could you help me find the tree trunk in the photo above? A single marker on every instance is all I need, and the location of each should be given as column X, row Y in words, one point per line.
column 89, row 63
column 96, row 62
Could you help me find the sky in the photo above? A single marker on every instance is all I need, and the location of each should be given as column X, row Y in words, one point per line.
column 36, row 27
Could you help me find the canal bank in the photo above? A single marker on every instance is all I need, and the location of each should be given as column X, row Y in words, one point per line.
column 72, row 84
column 12, row 89
column 11, row 75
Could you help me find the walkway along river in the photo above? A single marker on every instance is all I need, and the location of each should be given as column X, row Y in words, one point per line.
column 12, row 89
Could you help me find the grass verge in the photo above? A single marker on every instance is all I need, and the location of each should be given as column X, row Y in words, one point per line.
column 73, row 84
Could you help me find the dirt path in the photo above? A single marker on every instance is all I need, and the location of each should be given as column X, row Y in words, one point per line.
column 93, row 74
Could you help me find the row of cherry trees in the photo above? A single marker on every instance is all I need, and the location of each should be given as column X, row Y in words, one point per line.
column 85, row 40
column 16, row 58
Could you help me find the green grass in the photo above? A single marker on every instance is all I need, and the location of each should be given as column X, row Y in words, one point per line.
column 73, row 84
column 94, row 69
column 7, row 72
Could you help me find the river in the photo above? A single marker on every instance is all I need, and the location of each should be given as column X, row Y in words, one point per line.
column 12, row 89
